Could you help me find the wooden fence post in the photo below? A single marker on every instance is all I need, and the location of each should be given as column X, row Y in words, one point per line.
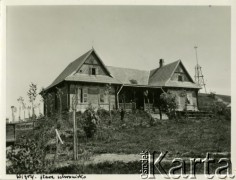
column 56, row 154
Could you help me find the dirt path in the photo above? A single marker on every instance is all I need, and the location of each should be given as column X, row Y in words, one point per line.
column 126, row 158
column 115, row 157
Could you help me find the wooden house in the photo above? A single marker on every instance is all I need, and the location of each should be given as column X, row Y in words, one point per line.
column 88, row 81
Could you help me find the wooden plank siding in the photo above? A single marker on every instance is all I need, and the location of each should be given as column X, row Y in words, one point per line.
column 92, row 95
column 181, row 100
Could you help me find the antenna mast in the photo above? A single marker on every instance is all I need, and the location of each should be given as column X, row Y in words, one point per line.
column 199, row 78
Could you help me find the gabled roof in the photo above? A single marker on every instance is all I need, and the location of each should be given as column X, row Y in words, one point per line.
column 161, row 76
column 74, row 66
column 126, row 76
column 130, row 76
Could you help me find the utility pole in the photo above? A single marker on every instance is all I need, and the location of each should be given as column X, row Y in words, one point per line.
column 199, row 78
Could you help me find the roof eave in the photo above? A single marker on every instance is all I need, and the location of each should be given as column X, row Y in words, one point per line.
column 139, row 85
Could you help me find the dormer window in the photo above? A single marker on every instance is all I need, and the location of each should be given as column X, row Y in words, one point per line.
column 93, row 71
column 180, row 78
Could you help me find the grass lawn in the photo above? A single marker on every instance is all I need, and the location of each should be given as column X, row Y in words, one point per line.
column 185, row 137
column 181, row 138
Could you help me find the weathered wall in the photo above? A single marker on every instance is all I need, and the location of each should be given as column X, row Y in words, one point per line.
column 92, row 62
column 52, row 101
column 92, row 94
column 181, row 99
column 180, row 71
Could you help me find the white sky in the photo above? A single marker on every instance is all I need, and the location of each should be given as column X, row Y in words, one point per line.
column 43, row 40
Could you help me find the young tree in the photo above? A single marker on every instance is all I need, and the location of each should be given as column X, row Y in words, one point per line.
column 32, row 94
column 74, row 107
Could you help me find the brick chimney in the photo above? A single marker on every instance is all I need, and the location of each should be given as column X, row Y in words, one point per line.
column 161, row 63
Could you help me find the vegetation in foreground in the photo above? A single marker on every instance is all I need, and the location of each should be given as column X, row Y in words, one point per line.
column 105, row 132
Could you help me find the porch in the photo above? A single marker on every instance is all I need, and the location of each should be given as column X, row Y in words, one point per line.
column 143, row 98
column 148, row 99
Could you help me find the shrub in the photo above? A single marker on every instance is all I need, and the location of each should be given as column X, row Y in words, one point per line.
column 114, row 112
column 212, row 95
column 220, row 109
column 27, row 158
column 102, row 112
column 89, row 122
column 168, row 104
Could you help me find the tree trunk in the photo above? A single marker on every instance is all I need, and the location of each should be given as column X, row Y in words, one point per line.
column 75, row 135
column 33, row 110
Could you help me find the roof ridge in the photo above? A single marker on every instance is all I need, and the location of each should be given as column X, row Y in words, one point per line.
column 81, row 56
column 128, row 68
column 87, row 54
column 65, row 72
column 156, row 69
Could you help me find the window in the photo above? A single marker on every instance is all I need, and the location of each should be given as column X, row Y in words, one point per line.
column 82, row 95
column 85, row 97
column 93, row 71
column 180, row 78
